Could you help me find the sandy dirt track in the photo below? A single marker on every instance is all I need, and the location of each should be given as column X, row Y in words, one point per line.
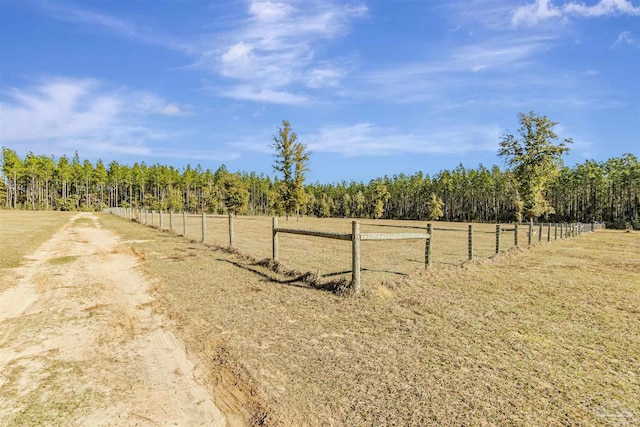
column 79, row 344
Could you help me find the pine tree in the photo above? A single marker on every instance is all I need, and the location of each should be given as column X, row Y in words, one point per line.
column 291, row 161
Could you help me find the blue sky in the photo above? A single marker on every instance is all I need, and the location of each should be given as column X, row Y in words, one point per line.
column 373, row 88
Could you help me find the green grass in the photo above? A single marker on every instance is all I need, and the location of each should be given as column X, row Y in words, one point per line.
column 84, row 222
column 541, row 336
column 62, row 260
column 21, row 232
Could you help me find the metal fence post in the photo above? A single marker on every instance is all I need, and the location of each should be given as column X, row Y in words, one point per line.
column 515, row 235
column 427, row 246
column 204, row 227
column 540, row 233
column 274, row 229
column 355, row 256
column 231, row 231
column 497, row 238
column 470, row 242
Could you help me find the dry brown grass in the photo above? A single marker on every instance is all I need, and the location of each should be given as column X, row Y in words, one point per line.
column 541, row 336
column 21, row 232
column 385, row 261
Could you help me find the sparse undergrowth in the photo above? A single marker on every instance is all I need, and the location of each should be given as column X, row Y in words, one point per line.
column 545, row 336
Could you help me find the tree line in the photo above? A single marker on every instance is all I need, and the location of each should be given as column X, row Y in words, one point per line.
column 538, row 185
column 592, row 191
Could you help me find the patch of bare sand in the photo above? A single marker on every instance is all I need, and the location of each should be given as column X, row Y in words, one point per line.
column 79, row 344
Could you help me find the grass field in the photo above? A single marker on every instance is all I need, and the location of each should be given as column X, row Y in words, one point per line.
column 21, row 232
column 543, row 336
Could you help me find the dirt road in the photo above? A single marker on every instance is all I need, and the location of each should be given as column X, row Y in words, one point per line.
column 79, row 344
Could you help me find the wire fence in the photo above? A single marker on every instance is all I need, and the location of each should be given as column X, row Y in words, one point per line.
column 326, row 248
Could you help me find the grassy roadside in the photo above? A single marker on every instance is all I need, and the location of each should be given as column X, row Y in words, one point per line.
column 545, row 336
column 21, row 232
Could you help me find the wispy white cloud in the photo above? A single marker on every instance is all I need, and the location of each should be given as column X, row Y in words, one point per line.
column 60, row 113
column 123, row 27
column 324, row 77
column 366, row 139
column 542, row 10
column 276, row 48
column 463, row 66
column 472, row 15
column 625, row 39
column 533, row 13
column 264, row 95
column 603, row 7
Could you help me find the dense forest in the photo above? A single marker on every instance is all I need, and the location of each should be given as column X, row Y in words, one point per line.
column 592, row 191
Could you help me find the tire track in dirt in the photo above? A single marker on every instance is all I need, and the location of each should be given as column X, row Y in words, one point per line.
column 80, row 345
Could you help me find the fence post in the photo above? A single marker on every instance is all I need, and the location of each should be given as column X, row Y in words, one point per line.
column 549, row 233
column 355, row 256
column 231, row 233
column 161, row 220
column 275, row 238
column 515, row 235
column 204, row 227
column 184, row 223
column 555, row 231
column 470, row 242
column 497, row 238
column 540, row 233
column 427, row 246
column 171, row 220
column 530, row 232
column 152, row 215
